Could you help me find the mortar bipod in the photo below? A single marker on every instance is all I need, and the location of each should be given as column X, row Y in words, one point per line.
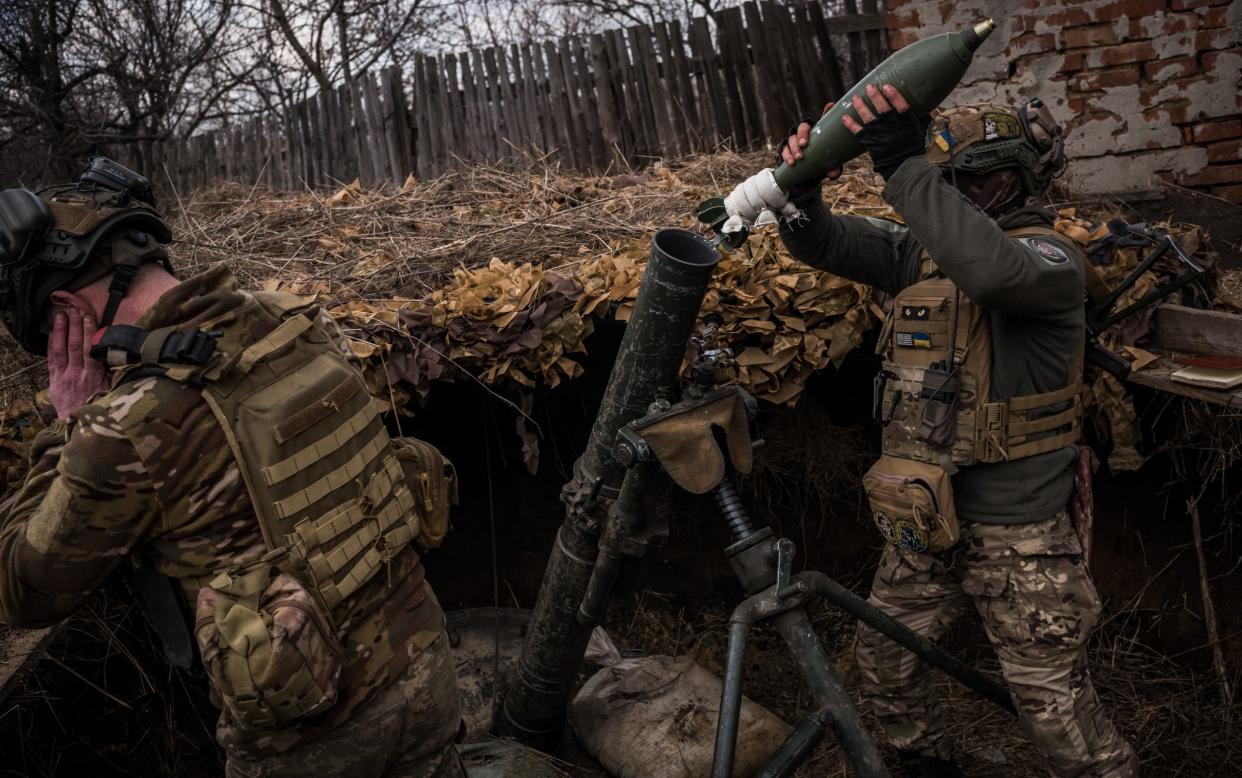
column 764, row 565
column 697, row 442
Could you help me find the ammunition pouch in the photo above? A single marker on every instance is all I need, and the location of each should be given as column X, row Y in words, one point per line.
column 267, row 646
column 432, row 479
column 912, row 504
column 939, row 398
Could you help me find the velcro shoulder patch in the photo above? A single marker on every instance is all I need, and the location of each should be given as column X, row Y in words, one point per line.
column 1046, row 249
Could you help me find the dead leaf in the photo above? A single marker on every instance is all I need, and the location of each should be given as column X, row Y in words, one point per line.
column 1141, row 357
column 345, row 195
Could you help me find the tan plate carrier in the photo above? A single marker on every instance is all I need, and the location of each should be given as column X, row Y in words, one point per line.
column 918, row 333
column 334, row 501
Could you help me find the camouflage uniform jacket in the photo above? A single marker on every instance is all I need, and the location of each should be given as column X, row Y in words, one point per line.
column 144, row 470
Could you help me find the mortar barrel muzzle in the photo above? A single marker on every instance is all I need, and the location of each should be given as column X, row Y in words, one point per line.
column 685, row 249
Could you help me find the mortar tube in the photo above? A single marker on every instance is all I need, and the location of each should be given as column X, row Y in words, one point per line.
column 624, row 519
column 647, row 366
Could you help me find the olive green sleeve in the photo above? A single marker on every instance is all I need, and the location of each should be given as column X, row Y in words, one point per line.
column 876, row 252
column 995, row 271
column 85, row 505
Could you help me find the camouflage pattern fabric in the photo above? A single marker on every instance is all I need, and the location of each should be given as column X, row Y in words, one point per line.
column 407, row 731
column 145, row 470
column 1038, row 604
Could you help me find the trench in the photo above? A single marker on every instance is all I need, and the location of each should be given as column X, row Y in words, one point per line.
column 106, row 703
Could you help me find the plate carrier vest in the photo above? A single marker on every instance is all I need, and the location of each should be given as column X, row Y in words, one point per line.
column 934, row 398
column 336, row 499
column 928, row 320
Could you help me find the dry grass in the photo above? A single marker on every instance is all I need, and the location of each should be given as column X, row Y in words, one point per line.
column 1165, row 708
column 406, row 243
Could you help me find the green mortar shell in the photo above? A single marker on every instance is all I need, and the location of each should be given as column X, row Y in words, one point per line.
column 925, row 72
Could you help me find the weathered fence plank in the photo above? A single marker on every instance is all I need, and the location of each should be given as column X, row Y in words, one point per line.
column 739, row 79
column 693, row 118
column 740, row 76
column 710, row 87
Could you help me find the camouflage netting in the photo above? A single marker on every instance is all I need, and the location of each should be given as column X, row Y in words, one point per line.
column 500, row 276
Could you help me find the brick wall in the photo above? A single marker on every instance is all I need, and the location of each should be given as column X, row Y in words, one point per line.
column 1149, row 90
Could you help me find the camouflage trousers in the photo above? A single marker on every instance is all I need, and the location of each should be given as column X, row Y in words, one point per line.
column 1038, row 605
column 407, row 731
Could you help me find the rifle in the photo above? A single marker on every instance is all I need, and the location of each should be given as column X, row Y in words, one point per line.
column 1100, row 313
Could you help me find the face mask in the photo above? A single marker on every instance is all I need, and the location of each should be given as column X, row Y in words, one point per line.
column 993, row 193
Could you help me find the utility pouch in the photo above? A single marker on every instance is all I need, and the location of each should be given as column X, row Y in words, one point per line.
column 433, row 482
column 938, row 401
column 912, row 504
column 267, row 646
column 878, row 386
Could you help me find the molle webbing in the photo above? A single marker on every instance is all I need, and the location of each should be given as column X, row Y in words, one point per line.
column 917, row 336
column 274, row 341
column 330, row 404
column 318, row 463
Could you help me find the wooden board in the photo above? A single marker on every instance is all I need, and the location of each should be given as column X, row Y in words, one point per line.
column 1196, row 331
column 858, row 59
column 630, row 127
column 609, row 124
column 744, row 117
column 688, row 103
column 579, row 141
column 713, row 105
column 1156, row 376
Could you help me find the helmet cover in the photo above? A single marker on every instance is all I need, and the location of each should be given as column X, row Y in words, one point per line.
column 978, row 139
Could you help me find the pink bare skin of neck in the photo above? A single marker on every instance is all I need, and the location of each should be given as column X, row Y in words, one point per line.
column 74, row 376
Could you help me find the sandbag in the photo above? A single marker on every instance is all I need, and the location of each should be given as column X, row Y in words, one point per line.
column 655, row 717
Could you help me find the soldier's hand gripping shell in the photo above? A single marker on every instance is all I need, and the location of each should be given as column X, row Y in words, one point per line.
column 791, row 151
column 892, row 133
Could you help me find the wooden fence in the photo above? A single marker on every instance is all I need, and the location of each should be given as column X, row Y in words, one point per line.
column 740, row 78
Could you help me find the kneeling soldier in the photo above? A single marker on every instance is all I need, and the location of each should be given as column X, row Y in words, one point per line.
column 222, row 439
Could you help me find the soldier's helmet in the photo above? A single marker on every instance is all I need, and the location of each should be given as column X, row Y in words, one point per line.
column 59, row 239
column 978, row 139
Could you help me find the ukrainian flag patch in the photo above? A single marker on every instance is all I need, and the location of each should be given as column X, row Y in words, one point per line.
column 944, row 140
column 913, row 339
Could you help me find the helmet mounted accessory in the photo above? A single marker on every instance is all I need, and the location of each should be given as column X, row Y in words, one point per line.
column 988, row 137
column 66, row 237
column 110, row 175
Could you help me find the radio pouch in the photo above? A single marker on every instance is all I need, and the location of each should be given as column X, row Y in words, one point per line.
column 912, row 504
column 938, row 400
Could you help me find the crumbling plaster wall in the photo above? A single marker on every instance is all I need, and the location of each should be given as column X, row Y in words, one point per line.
column 1150, row 90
